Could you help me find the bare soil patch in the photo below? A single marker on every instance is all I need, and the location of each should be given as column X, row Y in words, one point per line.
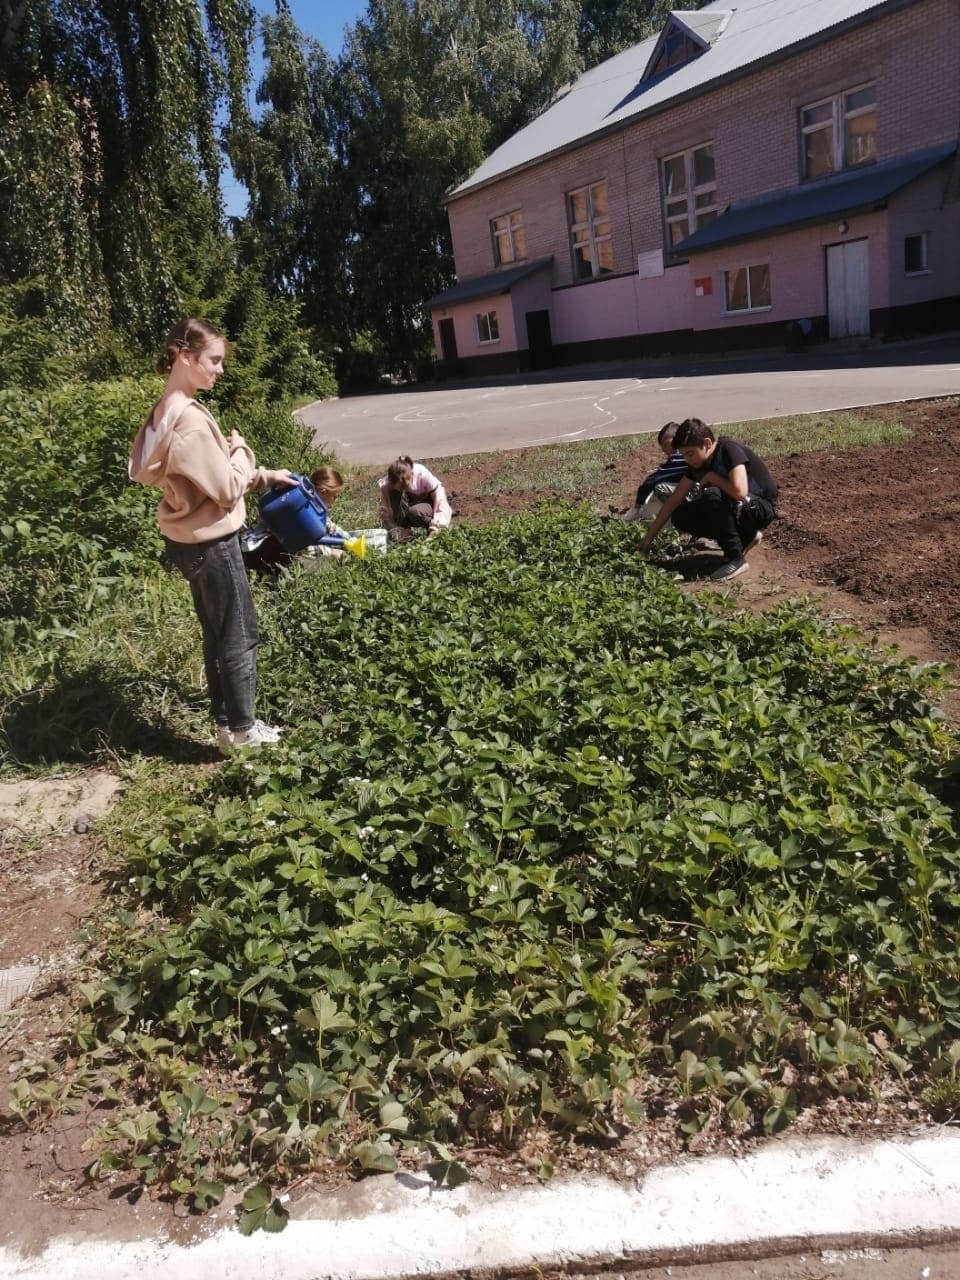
column 873, row 534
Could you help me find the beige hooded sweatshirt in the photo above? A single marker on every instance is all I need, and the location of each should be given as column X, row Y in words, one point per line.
column 203, row 483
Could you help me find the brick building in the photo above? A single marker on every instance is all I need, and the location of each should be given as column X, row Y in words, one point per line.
column 773, row 173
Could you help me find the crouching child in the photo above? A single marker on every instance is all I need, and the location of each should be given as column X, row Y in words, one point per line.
column 659, row 484
column 738, row 496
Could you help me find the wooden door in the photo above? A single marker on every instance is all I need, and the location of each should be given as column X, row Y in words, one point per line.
column 848, row 289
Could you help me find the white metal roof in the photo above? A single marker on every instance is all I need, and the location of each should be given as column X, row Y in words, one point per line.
column 610, row 93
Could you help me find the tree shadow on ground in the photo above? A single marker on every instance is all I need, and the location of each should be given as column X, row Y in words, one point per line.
column 82, row 716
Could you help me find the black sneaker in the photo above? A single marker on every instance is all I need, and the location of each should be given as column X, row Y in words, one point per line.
column 754, row 541
column 729, row 569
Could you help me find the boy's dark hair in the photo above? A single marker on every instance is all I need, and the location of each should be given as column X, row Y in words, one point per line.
column 668, row 429
column 692, row 431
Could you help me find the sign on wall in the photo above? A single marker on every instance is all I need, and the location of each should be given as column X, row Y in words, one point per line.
column 650, row 264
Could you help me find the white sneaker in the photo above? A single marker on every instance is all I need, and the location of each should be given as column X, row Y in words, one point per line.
column 224, row 739
column 631, row 516
column 258, row 735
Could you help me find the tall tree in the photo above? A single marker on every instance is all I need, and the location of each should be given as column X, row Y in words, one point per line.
column 107, row 138
column 427, row 88
column 298, row 222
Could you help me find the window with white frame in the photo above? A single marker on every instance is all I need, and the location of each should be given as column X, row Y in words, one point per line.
column 591, row 238
column 747, row 288
column 689, row 192
column 509, row 241
column 915, row 255
column 488, row 330
column 839, row 132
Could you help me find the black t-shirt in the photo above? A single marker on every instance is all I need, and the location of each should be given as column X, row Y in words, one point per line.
column 731, row 453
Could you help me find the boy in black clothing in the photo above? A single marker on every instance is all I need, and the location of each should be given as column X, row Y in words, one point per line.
column 739, row 496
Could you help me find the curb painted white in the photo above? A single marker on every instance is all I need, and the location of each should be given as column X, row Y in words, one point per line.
column 793, row 1192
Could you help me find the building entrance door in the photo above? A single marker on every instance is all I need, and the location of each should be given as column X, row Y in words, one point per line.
column 848, row 289
column 539, row 340
column 448, row 340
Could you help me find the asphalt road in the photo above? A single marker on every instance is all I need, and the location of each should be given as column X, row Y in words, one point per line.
column 436, row 420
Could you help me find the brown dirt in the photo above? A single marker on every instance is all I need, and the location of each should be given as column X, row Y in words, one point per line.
column 872, row 534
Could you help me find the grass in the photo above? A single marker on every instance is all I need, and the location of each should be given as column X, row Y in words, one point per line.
column 572, row 470
column 578, row 468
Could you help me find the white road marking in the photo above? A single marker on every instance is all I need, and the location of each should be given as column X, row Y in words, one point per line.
column 569, row 435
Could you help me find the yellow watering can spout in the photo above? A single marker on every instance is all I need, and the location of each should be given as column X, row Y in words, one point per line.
column 356, row 546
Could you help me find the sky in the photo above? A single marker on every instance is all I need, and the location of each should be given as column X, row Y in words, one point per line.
column 325, row 20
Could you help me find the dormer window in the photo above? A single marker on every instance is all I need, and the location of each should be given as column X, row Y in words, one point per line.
column 685, row 36
column 676, row 47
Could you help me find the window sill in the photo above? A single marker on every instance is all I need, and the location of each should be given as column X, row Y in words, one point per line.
column 745, row 311
column 605, row 275
column 912, row 275
column 832, row 173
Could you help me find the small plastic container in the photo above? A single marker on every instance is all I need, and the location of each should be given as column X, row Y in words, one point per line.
column 376, row 539
column 296, row 516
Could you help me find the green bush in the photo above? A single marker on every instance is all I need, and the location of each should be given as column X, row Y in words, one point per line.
column 73, row 524
column 271, row 356
column 361, row 365
column 277, row 439
column 32, row 353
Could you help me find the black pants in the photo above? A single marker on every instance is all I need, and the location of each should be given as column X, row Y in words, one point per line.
column 732, row 524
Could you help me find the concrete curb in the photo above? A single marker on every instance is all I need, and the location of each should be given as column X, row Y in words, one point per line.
column 791, row 1194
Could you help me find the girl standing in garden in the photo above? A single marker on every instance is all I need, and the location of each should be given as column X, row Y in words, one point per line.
column 204, row 476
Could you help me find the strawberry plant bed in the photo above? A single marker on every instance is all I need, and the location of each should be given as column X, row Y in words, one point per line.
column 872, row 532
column 561, row 865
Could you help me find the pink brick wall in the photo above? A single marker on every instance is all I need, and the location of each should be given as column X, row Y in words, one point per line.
column 917, row 210
column 753, row 126
column 532, row 294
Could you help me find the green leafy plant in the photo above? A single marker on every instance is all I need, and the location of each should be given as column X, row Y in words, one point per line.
column 574, row 847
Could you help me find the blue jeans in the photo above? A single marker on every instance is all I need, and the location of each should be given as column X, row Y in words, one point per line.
column 228, row 620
